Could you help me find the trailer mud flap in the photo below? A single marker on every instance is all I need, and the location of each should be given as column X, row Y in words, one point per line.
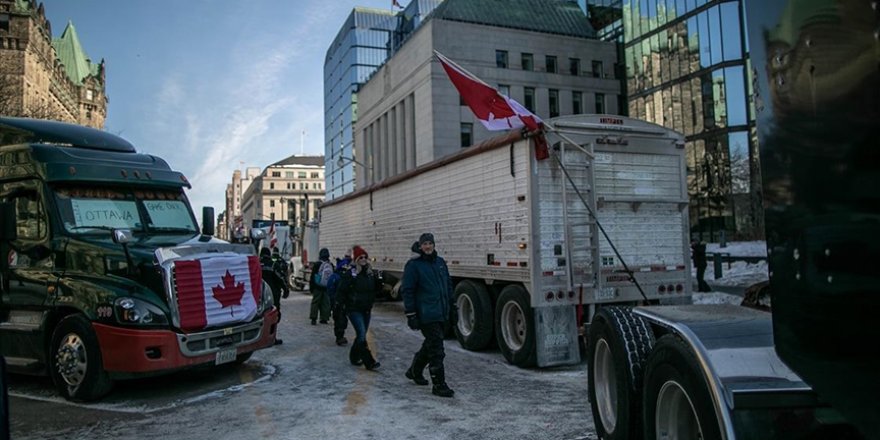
column 556, row 339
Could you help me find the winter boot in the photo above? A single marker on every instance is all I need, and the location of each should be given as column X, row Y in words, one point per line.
column 340, row 340
column 414, row 372
column 354, row 354
column 438, row 376
column 370, row 363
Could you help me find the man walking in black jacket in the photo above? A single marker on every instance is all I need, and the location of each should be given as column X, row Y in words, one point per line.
column 428, row 302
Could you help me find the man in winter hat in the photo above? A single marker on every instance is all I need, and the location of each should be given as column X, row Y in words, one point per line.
column 428, row 303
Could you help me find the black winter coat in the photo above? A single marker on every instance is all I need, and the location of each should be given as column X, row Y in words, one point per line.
column 357, row 291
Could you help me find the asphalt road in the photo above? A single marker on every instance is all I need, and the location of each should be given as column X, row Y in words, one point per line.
column 306, row 389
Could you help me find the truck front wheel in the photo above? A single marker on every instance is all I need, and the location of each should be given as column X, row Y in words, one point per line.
column 515, row 326
column 75, row 362
column 474, row 329
column 619, row 343
column 677, row 404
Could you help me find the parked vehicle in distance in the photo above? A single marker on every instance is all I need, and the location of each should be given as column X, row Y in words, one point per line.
column 105, row 273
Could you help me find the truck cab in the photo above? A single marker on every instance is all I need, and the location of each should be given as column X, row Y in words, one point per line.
column 94, row 271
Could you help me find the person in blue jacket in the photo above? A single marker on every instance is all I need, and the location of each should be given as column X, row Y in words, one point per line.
column 337, row 308
column 429, row 304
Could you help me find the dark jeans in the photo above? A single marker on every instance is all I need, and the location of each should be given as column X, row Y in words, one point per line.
column 432, row 347
column 702, row 286
column 360, row 322
column 340, row 322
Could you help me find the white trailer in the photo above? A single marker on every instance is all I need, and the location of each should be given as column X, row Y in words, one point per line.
column 524, row 251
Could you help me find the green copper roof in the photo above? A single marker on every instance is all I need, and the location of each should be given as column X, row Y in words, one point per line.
column 561, row 17
column 71, row 54
column 21, row 6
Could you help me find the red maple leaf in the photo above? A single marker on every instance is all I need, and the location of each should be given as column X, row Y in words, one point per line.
column 229, row 294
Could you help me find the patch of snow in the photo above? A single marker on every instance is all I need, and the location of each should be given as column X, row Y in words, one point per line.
column 740, row 248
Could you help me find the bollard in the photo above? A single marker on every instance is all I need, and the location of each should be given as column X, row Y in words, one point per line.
column 718, row 267
column 722, row 239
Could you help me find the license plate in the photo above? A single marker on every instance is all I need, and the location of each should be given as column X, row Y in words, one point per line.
column 225, row 356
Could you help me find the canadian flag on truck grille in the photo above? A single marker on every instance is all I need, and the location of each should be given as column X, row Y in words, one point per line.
column 217, row 290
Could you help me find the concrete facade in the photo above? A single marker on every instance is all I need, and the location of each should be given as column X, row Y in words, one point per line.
column 411, row 113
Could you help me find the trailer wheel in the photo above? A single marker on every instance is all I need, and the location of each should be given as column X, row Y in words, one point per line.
column 75, row 362
column 677, row 403
column 515, row 326
column 474, row 329
column 619, row 343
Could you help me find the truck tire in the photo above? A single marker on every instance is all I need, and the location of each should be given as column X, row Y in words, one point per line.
column 619, row 344
column 475, row 323
column 676, row 399
column 75, row 362
column 515, row 326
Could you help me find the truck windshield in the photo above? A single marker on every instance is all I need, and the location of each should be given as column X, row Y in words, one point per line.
column 87, row 210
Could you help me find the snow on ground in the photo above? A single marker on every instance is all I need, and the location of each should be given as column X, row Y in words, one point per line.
column 737, row 274
column 740, row 248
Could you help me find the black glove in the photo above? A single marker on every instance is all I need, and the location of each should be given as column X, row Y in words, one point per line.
column 413, row 321
column 453, row 315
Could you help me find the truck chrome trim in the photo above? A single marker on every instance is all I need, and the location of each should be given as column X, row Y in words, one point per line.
column 222, row 339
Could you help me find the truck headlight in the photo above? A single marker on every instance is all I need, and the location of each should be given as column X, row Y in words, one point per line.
column 135, row 311
column 266, row 299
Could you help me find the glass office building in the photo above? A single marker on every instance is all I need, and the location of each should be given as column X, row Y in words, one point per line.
column 364, row 42
column 687, row 69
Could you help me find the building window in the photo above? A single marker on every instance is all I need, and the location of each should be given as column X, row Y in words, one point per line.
column 288, row 174
column 301, row 174
column 315, row 176
column 90, row 94
column 528, row 61
column 288, row 185
column 577, row 103
column 501, row 59
column 271, row 203
column 307, row 185
column 574, row 66
column 553, row 101
column 598, row 69
column 529, row 98
column 504, row 89
column 551, row 64
column 467, row 134
column 600, row 103
column 271, row 185
column 276, row 173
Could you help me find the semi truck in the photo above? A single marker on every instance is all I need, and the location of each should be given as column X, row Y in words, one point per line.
column 105, row 274
column 807, row 369
column 533, row 246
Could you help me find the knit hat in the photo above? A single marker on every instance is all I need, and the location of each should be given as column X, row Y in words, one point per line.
column 427, row 236
column 324, row 254
column 358, row 251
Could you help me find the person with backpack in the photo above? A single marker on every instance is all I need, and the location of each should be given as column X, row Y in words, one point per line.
column 337, row 308
column 279, row 266
column 321, row 271
column 357, row 292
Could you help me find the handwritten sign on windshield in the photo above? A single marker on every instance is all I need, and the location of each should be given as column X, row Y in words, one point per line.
column 169, row 214
column 107, row 213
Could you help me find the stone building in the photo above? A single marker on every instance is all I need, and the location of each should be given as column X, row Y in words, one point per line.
column 47, row 78
column 541, row 53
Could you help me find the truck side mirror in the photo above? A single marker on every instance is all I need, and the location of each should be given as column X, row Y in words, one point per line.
column 122, row 236
column 8, row 231
column 207, row 220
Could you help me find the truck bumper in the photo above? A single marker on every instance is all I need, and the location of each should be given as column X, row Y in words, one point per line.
column 126, row 350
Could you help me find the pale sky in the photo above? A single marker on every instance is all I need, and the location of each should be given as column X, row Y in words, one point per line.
column 208, row 84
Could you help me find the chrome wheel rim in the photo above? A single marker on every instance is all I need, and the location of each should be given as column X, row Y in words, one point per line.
column 465, row 315
column 676, row 417
column 513, row 326
column 71, row 360
column 604, row 380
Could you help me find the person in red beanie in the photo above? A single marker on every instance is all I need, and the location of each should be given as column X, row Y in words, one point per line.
column 357, row 291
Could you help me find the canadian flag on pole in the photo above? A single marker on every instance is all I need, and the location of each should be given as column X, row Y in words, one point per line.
column 216, row 291
column 494, row 110
column 273, row 237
